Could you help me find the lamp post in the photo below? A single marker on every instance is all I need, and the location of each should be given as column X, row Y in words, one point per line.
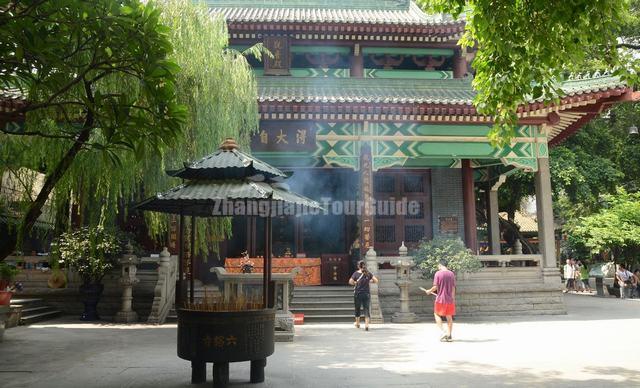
column 129, row 269
column 403, row 280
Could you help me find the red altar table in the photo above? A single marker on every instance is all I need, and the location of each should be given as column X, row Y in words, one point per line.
column 309, row 274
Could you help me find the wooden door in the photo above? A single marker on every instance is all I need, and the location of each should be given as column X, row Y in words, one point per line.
column 392, row 228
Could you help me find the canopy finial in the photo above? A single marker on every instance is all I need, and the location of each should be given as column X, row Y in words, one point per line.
column 229, row 144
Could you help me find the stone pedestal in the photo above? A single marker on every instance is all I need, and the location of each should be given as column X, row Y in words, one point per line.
column 599, row 286
column 4, row 311
column 371, row 260
column 403, row 276
column 285, row 330
column 128, row 280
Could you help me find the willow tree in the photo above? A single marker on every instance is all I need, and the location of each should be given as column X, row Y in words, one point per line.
column 218, row 86
column 115, row 92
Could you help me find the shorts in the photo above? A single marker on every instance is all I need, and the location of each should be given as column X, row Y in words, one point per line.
column 444, row 309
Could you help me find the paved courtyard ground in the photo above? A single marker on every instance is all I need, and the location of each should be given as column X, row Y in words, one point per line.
column 595, row 345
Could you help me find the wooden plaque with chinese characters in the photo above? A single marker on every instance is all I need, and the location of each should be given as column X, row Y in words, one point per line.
column 335, row 269
column 282, row 136
column 448, row 225
column 279, row 47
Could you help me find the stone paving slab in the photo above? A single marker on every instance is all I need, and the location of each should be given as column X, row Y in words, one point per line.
column 549, row 351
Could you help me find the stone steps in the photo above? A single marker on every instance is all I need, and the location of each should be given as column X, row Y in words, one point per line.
column 323, row 303
column 328, row 318
column 35, row 310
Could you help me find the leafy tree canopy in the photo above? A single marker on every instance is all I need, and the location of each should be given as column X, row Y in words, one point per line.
column 460, row 258
column 525, row 47
column 116, row 92
column 615, row 227
column 96, row 77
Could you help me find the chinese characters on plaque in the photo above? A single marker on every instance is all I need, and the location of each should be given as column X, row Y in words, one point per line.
column 284, row 137
column 448, row 225
column 367, row 196
column 279, row 48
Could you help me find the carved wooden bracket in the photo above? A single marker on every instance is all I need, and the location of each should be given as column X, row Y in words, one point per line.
column 322, row 60
column 387, row 61
column 428, row 62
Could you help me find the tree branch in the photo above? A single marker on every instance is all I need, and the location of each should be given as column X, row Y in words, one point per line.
column 35, row 209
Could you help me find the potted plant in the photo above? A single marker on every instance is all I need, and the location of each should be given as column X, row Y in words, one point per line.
column 460, row 258
column 7, row 287
column 90, row 251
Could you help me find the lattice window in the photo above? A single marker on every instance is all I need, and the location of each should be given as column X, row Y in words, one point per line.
column 413, row 233
column 385, row 233
column 413, row 184
column 412, row 215
column 384, row 183
column 385, row 209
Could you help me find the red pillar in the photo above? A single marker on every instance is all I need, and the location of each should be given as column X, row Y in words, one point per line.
column 459, row 64
column 366, row 196
column 469, row 203
column 357, row 63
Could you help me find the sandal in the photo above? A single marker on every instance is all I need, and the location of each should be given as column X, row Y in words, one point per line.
column 444, row 338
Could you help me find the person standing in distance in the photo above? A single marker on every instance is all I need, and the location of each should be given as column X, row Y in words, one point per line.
column 362, row 293
column 444, row 287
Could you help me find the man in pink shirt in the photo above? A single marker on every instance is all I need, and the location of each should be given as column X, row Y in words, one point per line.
column 444, row 287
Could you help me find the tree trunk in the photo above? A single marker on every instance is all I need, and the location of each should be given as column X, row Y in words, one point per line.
column 8, row 245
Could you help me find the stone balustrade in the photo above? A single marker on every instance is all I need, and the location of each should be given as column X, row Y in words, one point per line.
column 520, row 260
column 164, row 293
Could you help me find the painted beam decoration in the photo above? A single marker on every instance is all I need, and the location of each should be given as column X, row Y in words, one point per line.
column 393, row 145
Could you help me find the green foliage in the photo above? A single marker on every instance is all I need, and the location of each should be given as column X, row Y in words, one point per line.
column 525, row 47
column 517, row 186
column 101, row 96
column 219, row 87
column 7, row 273
column 119, row 91
column 614, row 228
column 460, row 258
column 89, row 251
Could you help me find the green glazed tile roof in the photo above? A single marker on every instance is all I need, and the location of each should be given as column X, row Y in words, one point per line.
column 316, row 12
column 10, row 99
column 228, row 164
column 400, row 91
column 203, row 197
column 331, row 4
column 355, row 90
column 590, row 83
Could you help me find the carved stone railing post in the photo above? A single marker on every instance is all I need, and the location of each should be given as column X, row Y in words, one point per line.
column 371, row 260
column 165, row 290
column 128, row 280
column 403, row 280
